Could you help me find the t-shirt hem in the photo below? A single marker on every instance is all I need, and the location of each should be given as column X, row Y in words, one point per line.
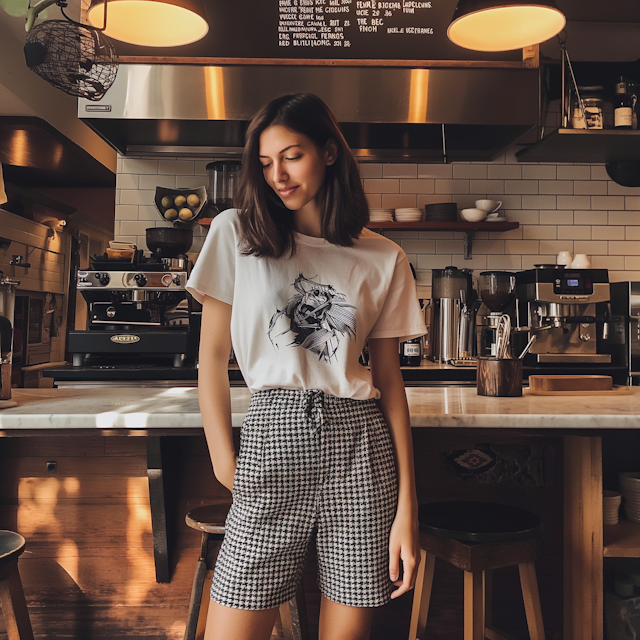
column 407, row 334
column 212, row 294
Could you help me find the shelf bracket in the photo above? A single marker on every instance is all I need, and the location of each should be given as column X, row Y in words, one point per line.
column 468, row 243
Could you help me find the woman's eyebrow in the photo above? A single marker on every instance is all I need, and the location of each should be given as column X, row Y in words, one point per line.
column 283, row 150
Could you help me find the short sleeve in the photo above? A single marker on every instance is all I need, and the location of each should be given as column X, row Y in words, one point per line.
column 401, row 316
column 214, row 272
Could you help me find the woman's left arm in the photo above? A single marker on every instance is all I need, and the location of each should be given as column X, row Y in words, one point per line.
column 404, row 543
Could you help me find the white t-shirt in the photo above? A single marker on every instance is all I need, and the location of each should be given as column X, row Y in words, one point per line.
column 302, row 322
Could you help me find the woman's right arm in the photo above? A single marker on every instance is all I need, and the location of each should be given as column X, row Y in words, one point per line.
column 213, row 387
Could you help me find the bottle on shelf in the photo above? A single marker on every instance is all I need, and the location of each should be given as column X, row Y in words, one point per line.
column 623, row 106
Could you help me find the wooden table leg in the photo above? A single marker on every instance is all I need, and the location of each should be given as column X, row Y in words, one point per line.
column 157, row 503
column 583, row 545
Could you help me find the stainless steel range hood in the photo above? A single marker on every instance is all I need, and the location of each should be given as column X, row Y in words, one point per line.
column 390, row 114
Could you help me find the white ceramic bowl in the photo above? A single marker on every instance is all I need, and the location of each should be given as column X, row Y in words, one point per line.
column 473, row 215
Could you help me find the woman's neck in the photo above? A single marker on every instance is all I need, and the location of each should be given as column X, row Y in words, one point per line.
column 307, row 222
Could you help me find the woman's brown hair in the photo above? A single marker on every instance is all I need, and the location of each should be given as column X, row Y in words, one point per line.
column 266, row 225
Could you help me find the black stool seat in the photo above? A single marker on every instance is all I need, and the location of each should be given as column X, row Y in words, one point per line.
column 11, row 545
column 478, row 521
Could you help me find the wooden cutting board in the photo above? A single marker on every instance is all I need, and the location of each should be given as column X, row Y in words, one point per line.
column 616, row 391
column 546, row 383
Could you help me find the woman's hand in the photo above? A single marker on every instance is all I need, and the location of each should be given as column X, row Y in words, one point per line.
column 404, row 547
column 225, row 472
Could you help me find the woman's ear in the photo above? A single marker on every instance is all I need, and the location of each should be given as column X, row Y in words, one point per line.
column 331, row 151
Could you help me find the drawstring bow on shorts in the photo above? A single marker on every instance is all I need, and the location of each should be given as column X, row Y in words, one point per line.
column 313, row 407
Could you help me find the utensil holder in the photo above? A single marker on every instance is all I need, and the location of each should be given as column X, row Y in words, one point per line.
column 501, row 378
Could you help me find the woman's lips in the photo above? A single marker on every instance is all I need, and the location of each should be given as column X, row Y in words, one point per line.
column 285, row 193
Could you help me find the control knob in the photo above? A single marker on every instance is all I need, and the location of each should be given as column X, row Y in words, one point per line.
column 103, row 278
column 141, row 279
column 177, row 280
column 166, row 280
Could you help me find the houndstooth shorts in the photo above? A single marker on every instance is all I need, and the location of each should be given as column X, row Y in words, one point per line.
column 309, row 463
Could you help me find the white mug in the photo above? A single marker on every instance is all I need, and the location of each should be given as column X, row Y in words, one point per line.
column 565, row 258
column 580, row 261
column 491, row 206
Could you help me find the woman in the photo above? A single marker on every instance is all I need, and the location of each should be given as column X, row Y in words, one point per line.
column 298, row 283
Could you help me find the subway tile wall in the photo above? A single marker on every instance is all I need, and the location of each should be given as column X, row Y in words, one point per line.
column 559, row 207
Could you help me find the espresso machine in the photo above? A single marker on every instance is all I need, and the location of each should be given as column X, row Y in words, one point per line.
column 138, row 309
column 453, row 309
column 568, row 310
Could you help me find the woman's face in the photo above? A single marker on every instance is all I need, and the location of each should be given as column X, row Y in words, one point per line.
column 293, row 166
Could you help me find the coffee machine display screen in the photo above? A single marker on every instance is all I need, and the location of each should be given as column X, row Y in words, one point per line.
column 573, row 283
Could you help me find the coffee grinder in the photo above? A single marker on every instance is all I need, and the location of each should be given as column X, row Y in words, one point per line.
column 497, row 290
column 223, row 176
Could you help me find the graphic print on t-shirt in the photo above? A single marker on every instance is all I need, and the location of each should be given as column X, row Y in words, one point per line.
column 318, row 316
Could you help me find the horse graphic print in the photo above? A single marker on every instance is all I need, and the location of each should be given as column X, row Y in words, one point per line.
column 319, row 317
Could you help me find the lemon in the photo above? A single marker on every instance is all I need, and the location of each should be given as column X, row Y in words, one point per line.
column 193, row 200
column 185, row 214
column 167, row 201
column 180, row 201
column 170, row 214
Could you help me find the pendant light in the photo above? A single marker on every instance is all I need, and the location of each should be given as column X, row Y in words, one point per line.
column 503, row 25
column 151, row 23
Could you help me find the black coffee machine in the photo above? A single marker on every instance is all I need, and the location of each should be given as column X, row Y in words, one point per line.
column 137, row 308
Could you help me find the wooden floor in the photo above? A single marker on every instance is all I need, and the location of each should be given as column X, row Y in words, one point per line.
column 88, row 570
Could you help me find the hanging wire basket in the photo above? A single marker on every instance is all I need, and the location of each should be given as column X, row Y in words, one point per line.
column 77, row 59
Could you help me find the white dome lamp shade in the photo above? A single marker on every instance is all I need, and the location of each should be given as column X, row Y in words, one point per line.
column 504, row 25
column 151, row 23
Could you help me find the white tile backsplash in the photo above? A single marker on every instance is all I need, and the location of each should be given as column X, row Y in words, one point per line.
column 559, row 207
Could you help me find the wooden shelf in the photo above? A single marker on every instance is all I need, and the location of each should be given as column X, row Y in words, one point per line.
column 582, row 145
column 444, row 226
column 426, row 226
column 622, row 540
column 469, row 228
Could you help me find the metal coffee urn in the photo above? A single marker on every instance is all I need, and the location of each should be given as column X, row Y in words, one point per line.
column 7, row 307
column 451, row 291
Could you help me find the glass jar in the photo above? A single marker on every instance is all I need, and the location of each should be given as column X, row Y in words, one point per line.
column 593, row 100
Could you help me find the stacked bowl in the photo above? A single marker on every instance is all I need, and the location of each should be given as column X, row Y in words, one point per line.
column 408, row 214
column 441, row 212
column 630, row 489
column 381, row 215
column 610, row 506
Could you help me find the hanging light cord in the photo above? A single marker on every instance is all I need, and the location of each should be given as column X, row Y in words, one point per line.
column 565, row 57
column 33, row 12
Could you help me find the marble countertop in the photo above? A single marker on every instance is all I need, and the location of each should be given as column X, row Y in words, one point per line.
column 138, row 410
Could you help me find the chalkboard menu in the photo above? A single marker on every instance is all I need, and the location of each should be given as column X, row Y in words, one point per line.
column 389, row 30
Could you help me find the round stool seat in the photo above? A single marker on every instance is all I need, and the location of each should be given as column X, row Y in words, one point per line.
column 209, row 518
column 478, row 521
column 11, row 546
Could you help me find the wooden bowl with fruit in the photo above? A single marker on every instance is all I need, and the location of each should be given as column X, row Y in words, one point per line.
column 180, row 205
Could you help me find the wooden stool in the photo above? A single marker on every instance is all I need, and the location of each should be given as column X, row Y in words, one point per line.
column 477, row 537
column 210, row 520
column 14, row 605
